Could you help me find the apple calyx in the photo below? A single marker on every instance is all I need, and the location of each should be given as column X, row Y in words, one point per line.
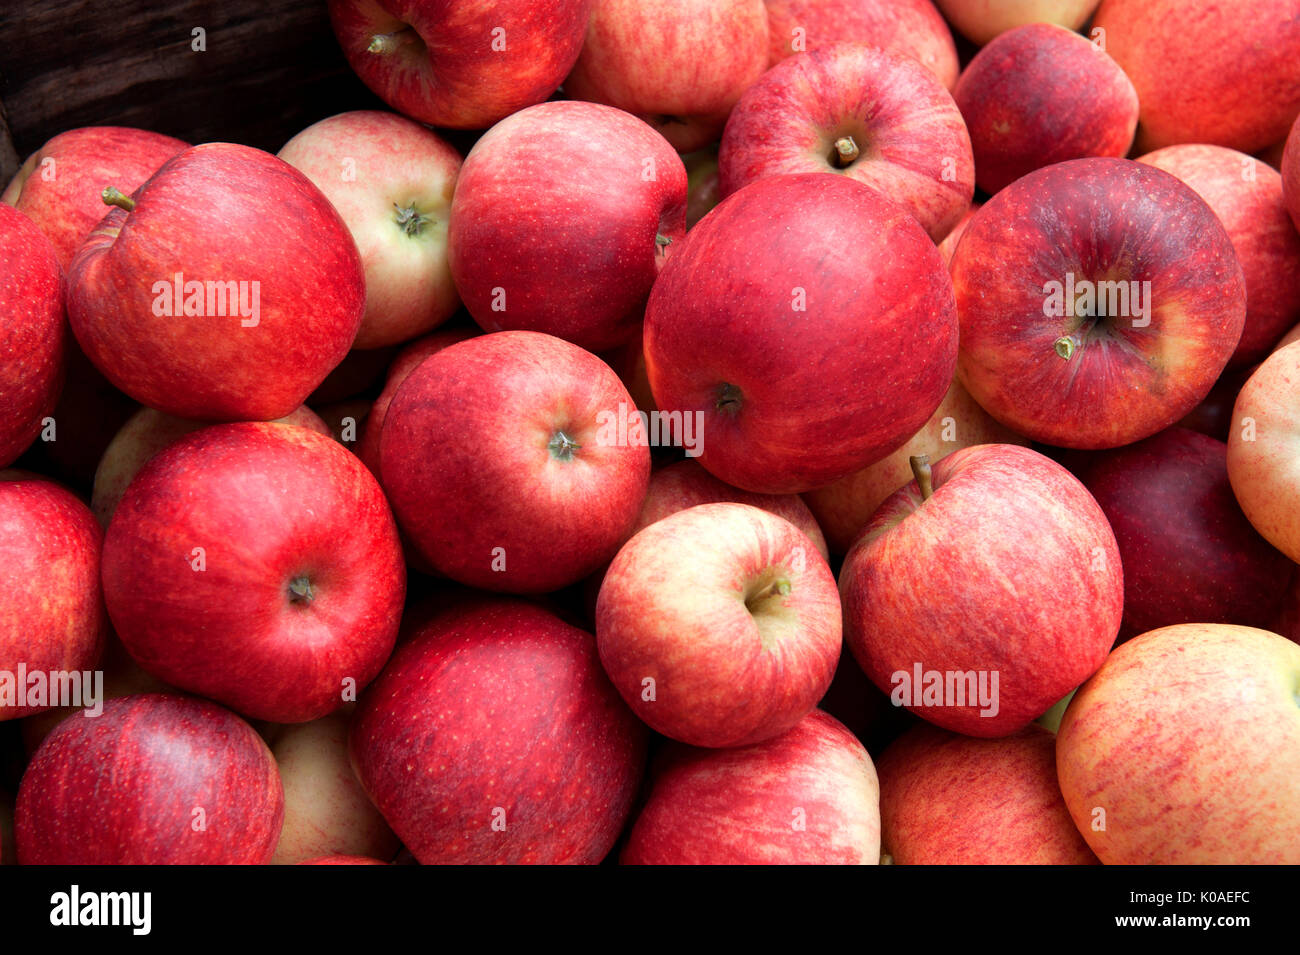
column 300, row 591
column 410, row 220
column 844, row 152
column 924, row 477
column 729, row 399
column 1067, row 345
column 562, row 447
column 113, row 196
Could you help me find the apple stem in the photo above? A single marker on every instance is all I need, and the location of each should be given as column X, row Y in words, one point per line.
column 846, row 151
column 921, row 471
column 661, row 243
column 778, row 587
column 1065, row 346
column 300, row 591
column 113, row 196
column 385, row 44
column 562, row 447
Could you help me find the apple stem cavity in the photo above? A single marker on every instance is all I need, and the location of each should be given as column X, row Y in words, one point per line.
column 777, row 587
column 562, row 447
column 845, row 152
column 385, row 44
column 1066, row 346
column 300, row 591
column 924, row 477
column 113, row 196
column 410, row 220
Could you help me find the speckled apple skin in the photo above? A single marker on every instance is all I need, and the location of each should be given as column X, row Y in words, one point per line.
column 1188, row 739
column 1291, row 174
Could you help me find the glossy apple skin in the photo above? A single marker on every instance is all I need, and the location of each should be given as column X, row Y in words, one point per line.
column 33, row 338
column 1246, row 195
column 1207, row 775
column 982, row 20
column 738, row 806
column 1228, row 75
column 947, row 799
column 374, row 167
column 227, row 213
column 1009, row 567
column 1042, row 94
column 548, row 237
column 58, row 186
column 723, row 318
column 1102, row 220
column 326, row 812
column 1189, row 554
column 679, row 66
column 450, row 733
column 688, row 603
column 144, row 435
column 52, row 616
column 1262, row 460
column 125, row 788
column 913, row 28
column 1291, row 174
column 270, row 505
column 844, row 508
column 916, row 150
column 449, row 69
column 498, row 492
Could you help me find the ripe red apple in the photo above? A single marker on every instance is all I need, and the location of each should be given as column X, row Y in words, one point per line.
column 493, row 736
column 949, row 243
column 226, row 289
column 719, row 625
column 58, row 186
column 679, row 66
column 550, row 236
column 144, row 435
column 464, row 65
column 1207, row 71
column 535, row 492
column 1189, row 554
column 32, row 336
column 326, row 812
column 1291, row 173
column 877, row 117
column 156, row 779
column 391, row 180
column 52, row 615
column 256, row 564
column 982, row 20
column 1042, row 94
column 844, row 507
column 1099, row 301
column 980, row 603
column 808, row 796
column 913, row 28
column 947, row 799
column 785, row 299
column 1209, row 774
column 1246, row 195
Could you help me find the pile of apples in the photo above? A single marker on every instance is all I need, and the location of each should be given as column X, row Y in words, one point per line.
column 789, row 442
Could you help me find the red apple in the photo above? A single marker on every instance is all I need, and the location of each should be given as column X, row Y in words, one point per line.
column 979, row 603
column 1213, row 416
column 703, row 190
column 52, row 615
column 343, row 860
column 493, row 736
column 1099, row 301
column 679, row 66
column 844, row 507
column 1291, row 173
column 156, row 779
column 391, row 180
column 32, row 336
column 549, row 236
column 807, row 797
column 1184, row 749
column 877, row 117
column 785, row 299
column 953, row 800
column 1246, row 195
column 982, row 20
column 463, row 64
column 1189, row 554
column 949, row 244
column 58, row 186
column 1042, row 94
column 719, row 625
column 913, row 28
column 534, row 492
column 144, row 435
column 259, row 565
column 1206, row 71
column 226, row 289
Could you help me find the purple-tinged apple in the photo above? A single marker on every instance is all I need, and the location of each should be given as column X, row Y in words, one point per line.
column 259, row 565
column 982, row 20
column 984, row 591
column 1184, row 749
column 550, row 235
column 1100, row 299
